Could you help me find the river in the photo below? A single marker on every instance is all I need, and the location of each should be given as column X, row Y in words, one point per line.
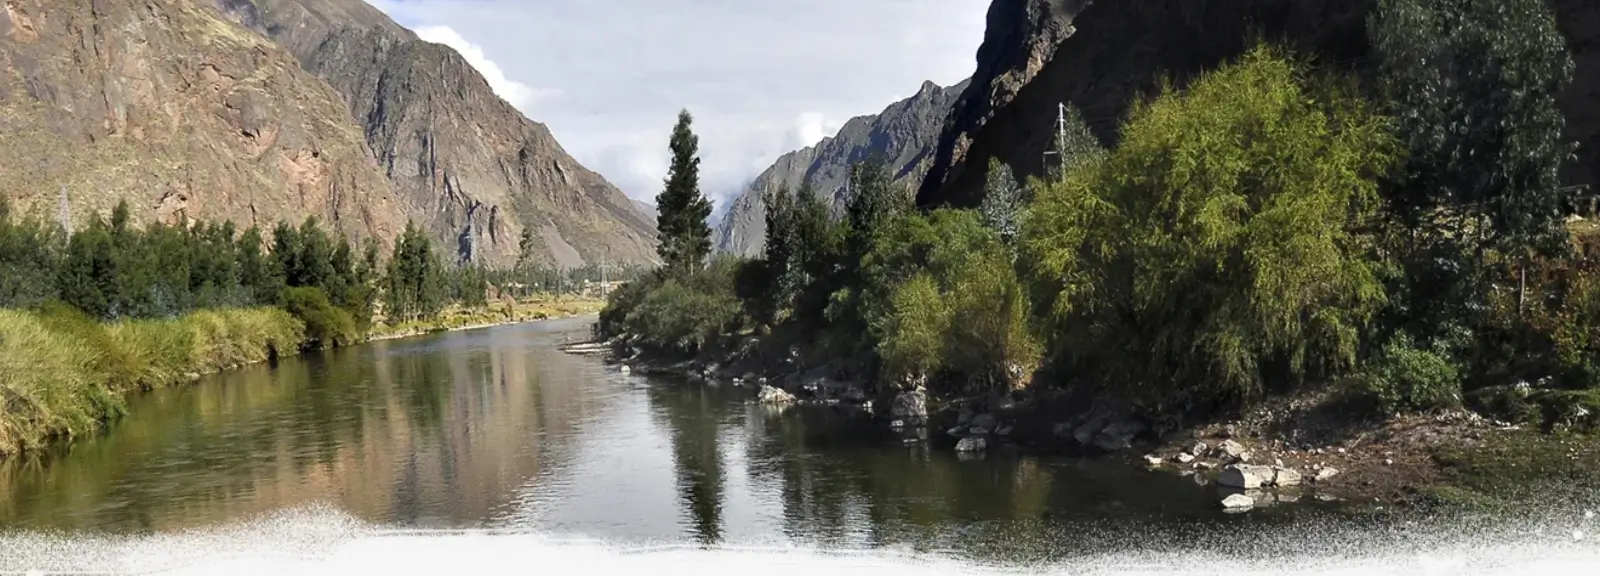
column 494, row 433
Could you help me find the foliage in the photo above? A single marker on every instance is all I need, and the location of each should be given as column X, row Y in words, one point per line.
column 677, row 314
column 326, row 326
column 415, row 280
column 1002, row 201
column 1222, row 238
column 1405, row 377
column 1076, row 146
column 1473, row 85
column 685, row 237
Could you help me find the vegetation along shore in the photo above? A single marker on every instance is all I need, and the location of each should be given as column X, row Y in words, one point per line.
column 91, row 315
column 1362, row 282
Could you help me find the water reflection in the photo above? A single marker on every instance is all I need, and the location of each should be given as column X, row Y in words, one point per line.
column 496, row 428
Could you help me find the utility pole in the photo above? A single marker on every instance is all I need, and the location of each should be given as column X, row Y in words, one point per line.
column 65, row 209
column 603, row 253
column 1061, row 139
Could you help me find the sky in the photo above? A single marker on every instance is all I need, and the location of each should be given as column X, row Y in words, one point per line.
column 760, row 77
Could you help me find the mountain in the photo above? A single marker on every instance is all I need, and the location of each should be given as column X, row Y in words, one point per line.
column 478, row 170
column 168, row 106
column 1102, row 56
column 903, row 134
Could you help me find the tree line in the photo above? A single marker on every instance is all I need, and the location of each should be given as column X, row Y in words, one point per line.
column 112, row 270
column 1398, row 236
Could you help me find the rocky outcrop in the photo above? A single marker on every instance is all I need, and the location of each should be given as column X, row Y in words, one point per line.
column 169, row 106
column 903, row 133
column 1103, row 56
column 479, row 170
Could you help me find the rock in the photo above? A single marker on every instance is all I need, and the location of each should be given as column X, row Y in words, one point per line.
column 1229, row 450
column 1230, row 431
column 770, row 395
column 625, row 369
column 1199, row 449
column 1152, row 460
column 977, row 431
column 1326, row 474
column 965, row 417
column 1245, row 476
column 1243, row 458
column 1113, row 443
column 1286, row 477
column 1184, row 458
column 1204, row 465
column 1003, row 431
column 1086, row 432
column 957, row 431
column 985, row 421
column 911, row 405
column 1238, row 502
column 897, row 424
column 971, row 444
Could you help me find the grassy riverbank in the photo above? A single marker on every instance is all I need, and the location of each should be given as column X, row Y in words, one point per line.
column 62, row 374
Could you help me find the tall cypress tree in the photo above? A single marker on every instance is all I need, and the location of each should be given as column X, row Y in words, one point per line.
column 681, row 221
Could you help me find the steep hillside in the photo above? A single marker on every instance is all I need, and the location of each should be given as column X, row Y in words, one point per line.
column 903, row 134
column 479, row 169
column 167, row 105
column 1101, row 56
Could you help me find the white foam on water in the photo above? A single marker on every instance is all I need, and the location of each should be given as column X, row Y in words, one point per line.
column 317, row 541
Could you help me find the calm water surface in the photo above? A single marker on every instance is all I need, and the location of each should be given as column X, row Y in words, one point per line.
column 495, row 428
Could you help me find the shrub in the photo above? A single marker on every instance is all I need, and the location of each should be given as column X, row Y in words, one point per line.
column 1404, row 377
column 326, row 326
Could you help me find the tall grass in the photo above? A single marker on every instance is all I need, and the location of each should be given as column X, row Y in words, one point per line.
column 62, row 373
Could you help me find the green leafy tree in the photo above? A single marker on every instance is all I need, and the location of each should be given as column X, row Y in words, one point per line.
column 30, row 253
column 685, row 237
column 416, row 282
column 87, row 279
column 260, row 277
column 1223, row 240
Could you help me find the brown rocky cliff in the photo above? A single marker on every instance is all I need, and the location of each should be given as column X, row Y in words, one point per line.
column 478, row 168
column 167, row 105
column 1103, row 55
column 903, row 134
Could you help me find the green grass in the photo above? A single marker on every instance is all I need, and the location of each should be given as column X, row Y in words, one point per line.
column 62, row 374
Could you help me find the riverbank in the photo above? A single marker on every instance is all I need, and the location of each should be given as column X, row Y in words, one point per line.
column 63, row 375
column 1291, row 447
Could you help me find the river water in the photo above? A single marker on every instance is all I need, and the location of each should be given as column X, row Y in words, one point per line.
column 491, row 444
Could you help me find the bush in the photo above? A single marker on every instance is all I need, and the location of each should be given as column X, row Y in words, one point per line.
column 1404, row 377
column 326, row 326
column 678, row 313
column 1220, row 243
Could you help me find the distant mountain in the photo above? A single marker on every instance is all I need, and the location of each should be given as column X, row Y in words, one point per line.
column 904, row 134
column 478, row 171
column 170, row 107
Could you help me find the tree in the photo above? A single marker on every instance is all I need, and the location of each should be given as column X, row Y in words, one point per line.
column 415, row 279
column 527, row 250
column 1002, row 201
column 87, row 279
column 685, row 237
column 260, row 277
column 1225, row 239
column 1473, row 85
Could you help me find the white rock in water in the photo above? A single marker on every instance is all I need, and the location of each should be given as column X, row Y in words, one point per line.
column 625, row 369
column 1238, row 502
column 1287, row 477
column 1152, row 460
column 1199, row 449
column 1326, row 474
column 1184, row 458
column 770, row 395
column 971, row 444
column 1244, row 476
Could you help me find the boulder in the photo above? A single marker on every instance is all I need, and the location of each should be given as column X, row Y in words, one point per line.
column 957, row 431
column 911, row 405
column 1199, row 449
column 1326, row 474
column 1086, row 432
column 1152, row 460
column 1245, row 476
column 1003, row 431
column 985, row 421
column 770, row 395
column 1113, row 443
column 1238, row 502
column 1229, row 450
column 977, row 431
column 1184, row 458
column 971, row 444
column 1286, row 477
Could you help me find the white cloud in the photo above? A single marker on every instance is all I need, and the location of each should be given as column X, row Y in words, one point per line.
column 520, row 95
column 761, row 77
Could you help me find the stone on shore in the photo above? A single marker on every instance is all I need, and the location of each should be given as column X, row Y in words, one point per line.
column 1153, row 461
column 1184, row 458
column 972, row 444
column 1326, row 474
column 911, row 406
column 1229, row 450
column 985, row 420
column 1199, row 449
column 1286, row 477
column 1245, row 476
